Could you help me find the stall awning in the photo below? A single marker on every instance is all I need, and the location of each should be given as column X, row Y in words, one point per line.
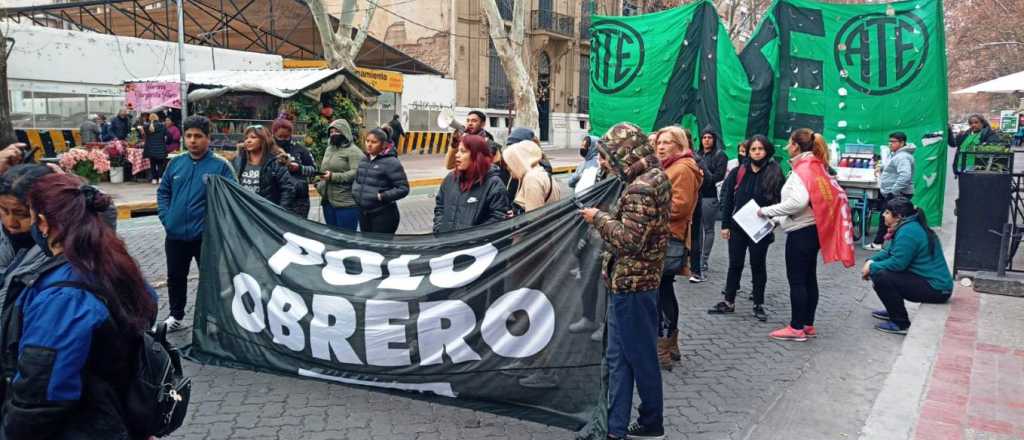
column 1006, row 84
column 279, row 83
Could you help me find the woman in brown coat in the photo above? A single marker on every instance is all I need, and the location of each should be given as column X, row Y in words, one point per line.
column 673, row 149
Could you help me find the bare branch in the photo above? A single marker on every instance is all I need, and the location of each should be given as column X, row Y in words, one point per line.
column 357, row 43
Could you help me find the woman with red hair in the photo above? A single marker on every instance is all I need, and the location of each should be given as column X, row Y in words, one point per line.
column 472, row 194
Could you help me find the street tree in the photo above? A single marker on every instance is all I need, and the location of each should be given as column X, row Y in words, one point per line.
column 509, row 46
column 340, row 45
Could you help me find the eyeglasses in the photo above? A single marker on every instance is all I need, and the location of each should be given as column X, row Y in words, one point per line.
column 254, row 127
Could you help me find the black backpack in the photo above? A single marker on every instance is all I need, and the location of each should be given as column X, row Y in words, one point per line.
column 156, row 400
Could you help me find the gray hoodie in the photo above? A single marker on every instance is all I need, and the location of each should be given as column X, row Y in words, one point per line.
column 898, row 175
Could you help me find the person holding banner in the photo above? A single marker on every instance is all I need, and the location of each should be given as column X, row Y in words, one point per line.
column 340, row 164
column 472, row 194
column 673, row 150
column 759, row 179
column 181, row 203
column 258, row 171
column 815, row 214
column 380, row 183
column 536, row 187
column 585, row 174
column 636, row 234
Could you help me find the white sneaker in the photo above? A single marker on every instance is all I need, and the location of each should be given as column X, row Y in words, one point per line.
column 873, row 247
column 174, row 325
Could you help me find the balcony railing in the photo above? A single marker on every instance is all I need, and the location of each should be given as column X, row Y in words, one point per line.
column 505, row 8
column 551, row 21
column 583, row 104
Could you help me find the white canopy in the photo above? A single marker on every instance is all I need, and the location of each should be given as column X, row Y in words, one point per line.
column 1007, row 84
column 279, row 83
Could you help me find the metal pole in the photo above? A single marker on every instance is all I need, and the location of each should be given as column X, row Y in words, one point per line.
column 181, row 59
column 1004, row 243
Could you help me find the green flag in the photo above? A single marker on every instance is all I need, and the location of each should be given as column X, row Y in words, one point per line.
column 676, row 67
column 855, row 73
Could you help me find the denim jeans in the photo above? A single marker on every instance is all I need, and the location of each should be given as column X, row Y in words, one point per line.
column 344, row 218
column 633, row 359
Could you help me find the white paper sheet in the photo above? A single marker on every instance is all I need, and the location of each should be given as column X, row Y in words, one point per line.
column 755, row 226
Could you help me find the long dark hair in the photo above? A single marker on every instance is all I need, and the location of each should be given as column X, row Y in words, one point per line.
column 903, row 208
column 771, row 180
column 480, row 158
column 72, row 211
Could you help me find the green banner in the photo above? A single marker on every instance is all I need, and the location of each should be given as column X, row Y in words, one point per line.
column 854, row 73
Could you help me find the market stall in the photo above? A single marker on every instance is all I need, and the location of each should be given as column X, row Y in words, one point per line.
column 857, row 172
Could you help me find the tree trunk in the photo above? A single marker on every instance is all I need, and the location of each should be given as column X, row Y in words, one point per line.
column 340, row 50
column 6, row 130
column 509, row 48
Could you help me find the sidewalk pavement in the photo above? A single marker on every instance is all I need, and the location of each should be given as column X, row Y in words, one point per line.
column 423, row 170
column 960, row 373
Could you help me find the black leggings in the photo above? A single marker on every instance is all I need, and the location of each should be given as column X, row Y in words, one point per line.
column 668, row 307
column 383, row 220
column 895, row 287
column 696, row 239
column 157, row 166
column 801, row 270
column 739, row 242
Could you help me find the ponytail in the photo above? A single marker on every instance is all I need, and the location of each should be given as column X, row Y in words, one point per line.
column 819, row 148
column 932, row 237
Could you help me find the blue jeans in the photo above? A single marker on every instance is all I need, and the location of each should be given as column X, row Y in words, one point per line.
column 633, row 358
column 344, row 218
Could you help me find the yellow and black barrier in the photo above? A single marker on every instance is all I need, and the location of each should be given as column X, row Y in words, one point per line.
column 424, row 142
column 48, row 142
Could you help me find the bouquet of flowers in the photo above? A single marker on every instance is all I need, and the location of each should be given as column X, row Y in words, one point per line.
column 89, row 164
column 115, row 151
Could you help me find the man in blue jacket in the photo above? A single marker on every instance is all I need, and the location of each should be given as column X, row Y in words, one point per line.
column 181, row 199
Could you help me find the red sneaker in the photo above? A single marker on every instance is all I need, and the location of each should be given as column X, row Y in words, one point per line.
column 810, row 331
column 787, row 333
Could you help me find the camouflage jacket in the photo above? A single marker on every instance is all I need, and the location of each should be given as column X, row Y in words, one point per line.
column 636, row 231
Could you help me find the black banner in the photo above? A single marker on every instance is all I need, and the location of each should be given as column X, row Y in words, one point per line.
column 458, row 318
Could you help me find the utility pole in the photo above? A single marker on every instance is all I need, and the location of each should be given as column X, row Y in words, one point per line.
column 181, row 60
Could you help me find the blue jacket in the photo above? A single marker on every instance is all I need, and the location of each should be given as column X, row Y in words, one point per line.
column 181, row 198
column 909, row 252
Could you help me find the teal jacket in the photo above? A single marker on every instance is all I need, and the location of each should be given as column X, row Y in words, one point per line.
column 181, row 197
column 909, row 252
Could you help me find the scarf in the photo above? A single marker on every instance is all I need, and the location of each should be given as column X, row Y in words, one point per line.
column 671, row 160
column 831, row 210
column 972, row 140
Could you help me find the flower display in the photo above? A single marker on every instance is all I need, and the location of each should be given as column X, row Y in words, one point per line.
column 89, row 164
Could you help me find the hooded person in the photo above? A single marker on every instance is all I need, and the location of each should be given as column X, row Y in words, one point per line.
column 586, row 172
column 636, row 234
column 710, row 156
column 340, row 164
column 536, row 187
column 472, row 194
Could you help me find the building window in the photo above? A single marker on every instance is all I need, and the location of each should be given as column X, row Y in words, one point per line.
column 583, row 106
column 498, row 94
column 505, row 8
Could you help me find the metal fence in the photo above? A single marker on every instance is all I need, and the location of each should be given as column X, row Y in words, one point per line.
column 551, row 21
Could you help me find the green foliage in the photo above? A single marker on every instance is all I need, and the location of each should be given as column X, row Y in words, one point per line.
column 309, row 112
column 85, row 169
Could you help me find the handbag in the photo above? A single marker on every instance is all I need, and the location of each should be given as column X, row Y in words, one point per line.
column 674, row 256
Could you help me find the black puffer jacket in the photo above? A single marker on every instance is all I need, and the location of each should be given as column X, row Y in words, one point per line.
column 381, row 175
column 276, row 184
column 714, row 163
column 155, row 146
column 485, row 202
column 307, row 169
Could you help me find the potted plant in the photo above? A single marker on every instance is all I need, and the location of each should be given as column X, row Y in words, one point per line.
column 115, row 152
column 89, row 164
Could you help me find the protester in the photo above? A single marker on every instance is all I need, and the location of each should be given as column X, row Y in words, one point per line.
column 759, row 179
column 516, row 135
column 173, row 136
column 536, row 186
column 181, row 203
column 896, row 180
column 299, row 161
column 636, row 235
column 741, row 158
column 121, row 125
column 472, row 194
column 396, row 130
column 380, row 183
column 714, row 160
column 803, row 205
column 913, row 267
column 155, row 147
column 979, row 133
column 16, row 236
column 340, row 164
column 586, row 172
column 475, row 121
column 82, row 315
column 258, row 170
column 90, row 130
column 676, row 156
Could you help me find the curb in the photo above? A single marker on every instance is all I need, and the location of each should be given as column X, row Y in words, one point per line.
column 126, row 211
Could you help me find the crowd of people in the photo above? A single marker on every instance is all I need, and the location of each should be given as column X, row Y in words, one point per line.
column 65, row 269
